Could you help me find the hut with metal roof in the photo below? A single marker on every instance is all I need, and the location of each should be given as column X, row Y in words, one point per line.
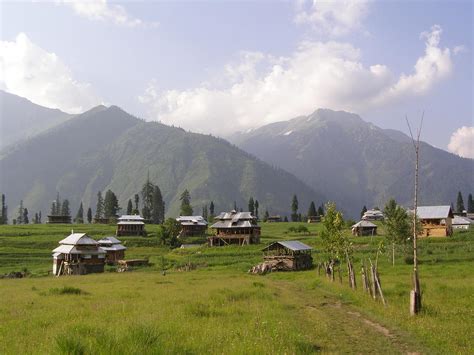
column 436, row 220
column 234, row 227
column 288, row 255
column 114, row 249
column 364, row 228
column 78, row 254
column 130, row 225
column 192, row 226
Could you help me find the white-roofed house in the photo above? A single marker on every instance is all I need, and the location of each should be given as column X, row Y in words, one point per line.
column 78, row 254
column 114, row 249
column 131, row 225
column 192, row 226
column 436, row 220
column 235, row 228
column 364, row 228
column 288, row 255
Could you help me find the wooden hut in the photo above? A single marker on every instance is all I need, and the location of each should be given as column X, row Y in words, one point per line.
column 192, row 226
column 436, row 220
column 235, row 228
column 78, row 254
column 130, row 225
column 364, row 228
column 58, row 219
column 288, row 255
column 114, row 249
column 373, row 215
column 274, row 219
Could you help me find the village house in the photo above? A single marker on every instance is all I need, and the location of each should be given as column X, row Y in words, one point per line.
column 114, row 249
column 192, row 226
column 130, row 225
column 235, row 228
column 58, row 219
column 435, row 220
column 273, row 219
column 288, row 255
column 363, row 228
column 78, row 254
column 373, row 215
column 460, row 222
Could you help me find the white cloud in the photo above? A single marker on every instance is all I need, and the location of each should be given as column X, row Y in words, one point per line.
column 462, row 142
column 262, row 89
column 335, row 17
column 101, row 10
column 29, row 71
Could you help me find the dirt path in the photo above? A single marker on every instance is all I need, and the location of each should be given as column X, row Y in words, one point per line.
column 336, row 326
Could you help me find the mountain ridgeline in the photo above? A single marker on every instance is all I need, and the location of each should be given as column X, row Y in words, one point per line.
column 106, row 148
column 356, row 163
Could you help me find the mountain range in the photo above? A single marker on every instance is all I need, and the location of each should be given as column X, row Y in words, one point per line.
column 107, row 148
column 357, row 163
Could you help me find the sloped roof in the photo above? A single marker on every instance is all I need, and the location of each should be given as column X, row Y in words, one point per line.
column 127, row 217
column 434, row 212
column 109, row 240
column 460, row 220
column 78, row 239
column 364, row 224
column 294, row 245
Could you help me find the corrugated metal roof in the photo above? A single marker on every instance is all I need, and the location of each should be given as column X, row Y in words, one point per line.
column 434, row 212
column 78, row 239
column 294, row 245
column 364, row 224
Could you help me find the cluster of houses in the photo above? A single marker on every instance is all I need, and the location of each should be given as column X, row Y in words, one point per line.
column 80, row 254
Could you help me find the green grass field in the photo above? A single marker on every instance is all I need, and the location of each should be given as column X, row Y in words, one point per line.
column 220, row 308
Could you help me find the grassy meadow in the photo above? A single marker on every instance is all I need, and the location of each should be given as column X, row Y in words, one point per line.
column 219, row 308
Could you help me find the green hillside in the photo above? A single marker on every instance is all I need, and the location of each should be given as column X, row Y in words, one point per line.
column 108, row 148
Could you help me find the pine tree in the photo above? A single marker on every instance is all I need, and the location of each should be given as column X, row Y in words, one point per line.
column 186, row 209
column 147, row 198
column 99, row 210
column 211, row 209
column 256, row 209
column 4, row 214
column 364, row 209
column 158, row 209
column 136, row 210
column 459, row 203
column 470, row 204
column 294, row 209
column 19, row 219
column 65, row 208
column 89, row 215
column 80, row 215
column 25, row 216
column 129, row 207
column 312, row 210
column 252, row 206
column 111, row 206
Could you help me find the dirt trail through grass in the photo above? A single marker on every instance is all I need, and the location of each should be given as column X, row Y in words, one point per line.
column 336, row 326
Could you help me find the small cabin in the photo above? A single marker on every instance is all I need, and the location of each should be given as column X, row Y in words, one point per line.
column 373, row 215
column 363, row 228
column 192, row 226
column 436, row 220
column 234, row 227
column 460, row 222
column 114, row 249
column 274, row 219
column 131, row 225
column 58, row 219
column 314, row 219
column 288, row 256
column 78, row 254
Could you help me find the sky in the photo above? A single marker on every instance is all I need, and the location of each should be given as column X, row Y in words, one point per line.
column 225, row 66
